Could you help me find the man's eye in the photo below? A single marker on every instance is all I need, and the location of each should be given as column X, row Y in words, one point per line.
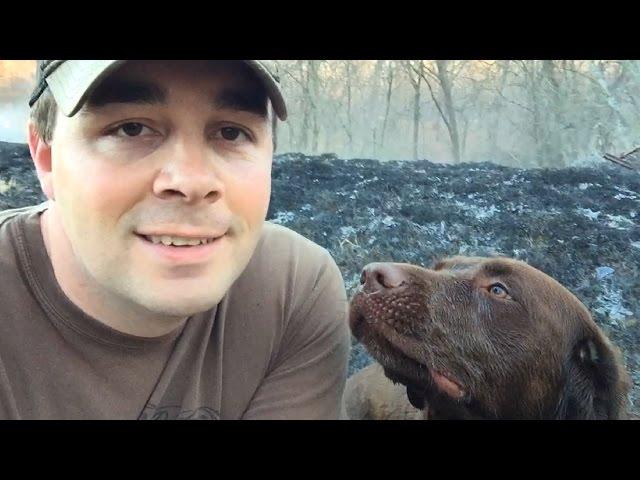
column 232, row 134
column 131, row 129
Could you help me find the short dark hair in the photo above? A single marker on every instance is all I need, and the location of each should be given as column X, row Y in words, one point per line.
column 43, row 115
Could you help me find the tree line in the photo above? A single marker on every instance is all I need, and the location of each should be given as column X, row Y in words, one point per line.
column 548, row 113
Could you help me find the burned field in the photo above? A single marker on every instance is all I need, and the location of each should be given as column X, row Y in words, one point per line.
column 579, row 225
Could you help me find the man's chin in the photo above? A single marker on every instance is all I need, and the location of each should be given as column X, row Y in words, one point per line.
column 181, row 307
column 179, row 299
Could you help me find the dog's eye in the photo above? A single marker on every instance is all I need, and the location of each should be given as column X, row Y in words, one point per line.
column 498, row 290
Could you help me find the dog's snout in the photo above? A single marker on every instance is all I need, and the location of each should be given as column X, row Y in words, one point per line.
column 381, row 276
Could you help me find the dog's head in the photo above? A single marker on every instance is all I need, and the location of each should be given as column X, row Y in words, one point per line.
column 482, row 337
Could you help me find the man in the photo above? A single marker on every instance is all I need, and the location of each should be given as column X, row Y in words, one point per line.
column 149, row 284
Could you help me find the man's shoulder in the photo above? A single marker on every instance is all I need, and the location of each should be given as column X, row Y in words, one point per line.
column 289, row 252
column 13, row 245
column 291, row 291
column 13, row 213
column 7, row 219
column 278, row 238
column 285, row 259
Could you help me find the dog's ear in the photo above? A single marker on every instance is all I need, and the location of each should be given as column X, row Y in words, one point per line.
column 597, row 383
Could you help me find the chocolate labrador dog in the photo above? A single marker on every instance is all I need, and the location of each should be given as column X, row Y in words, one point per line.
column 483, row 338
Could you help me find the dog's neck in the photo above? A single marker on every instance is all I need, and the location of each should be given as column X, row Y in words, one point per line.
column 452, row 411
column 440, row 413
column 449, row 410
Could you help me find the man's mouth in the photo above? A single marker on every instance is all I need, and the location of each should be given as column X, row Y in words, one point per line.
column 183, row 250
column 176, row 241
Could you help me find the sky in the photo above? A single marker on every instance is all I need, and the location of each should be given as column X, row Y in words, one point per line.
column 16, row 81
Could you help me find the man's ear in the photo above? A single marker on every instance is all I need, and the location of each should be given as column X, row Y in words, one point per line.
column 41, row 155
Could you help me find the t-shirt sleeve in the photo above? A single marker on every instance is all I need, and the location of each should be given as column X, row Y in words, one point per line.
column 308, row 377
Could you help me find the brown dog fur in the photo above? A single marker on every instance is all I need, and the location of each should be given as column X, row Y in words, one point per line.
column 462, row 348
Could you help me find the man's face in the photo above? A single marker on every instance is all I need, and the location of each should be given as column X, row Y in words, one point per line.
column 162, row 150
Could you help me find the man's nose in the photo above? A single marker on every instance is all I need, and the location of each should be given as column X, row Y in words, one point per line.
column 190, row 173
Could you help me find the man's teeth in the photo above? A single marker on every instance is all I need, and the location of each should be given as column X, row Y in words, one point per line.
column 178, row 241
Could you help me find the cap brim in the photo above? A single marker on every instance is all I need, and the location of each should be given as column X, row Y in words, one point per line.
column 272, row 86
column 74, row 80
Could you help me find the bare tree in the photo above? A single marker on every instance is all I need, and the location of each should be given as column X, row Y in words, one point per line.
column 415, row 73
column 528, row 112
column 443, row 78
column 391, row 67
column 497, row 105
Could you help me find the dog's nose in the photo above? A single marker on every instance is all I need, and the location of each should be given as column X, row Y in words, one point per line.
column 381, row 276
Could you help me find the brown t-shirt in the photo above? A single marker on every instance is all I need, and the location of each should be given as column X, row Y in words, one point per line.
column 275, row 347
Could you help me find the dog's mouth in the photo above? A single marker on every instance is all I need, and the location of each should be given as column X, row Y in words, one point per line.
column 448, row 385
column 438, row 382
column 403, row 362
column 419, row 392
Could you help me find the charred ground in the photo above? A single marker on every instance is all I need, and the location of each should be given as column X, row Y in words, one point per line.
column 579, row 225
